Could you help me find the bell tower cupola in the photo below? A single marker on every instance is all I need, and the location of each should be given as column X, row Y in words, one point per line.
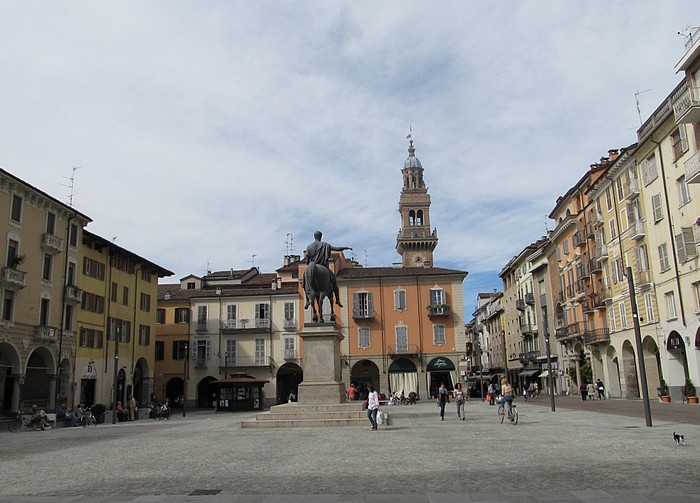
column 415, row 242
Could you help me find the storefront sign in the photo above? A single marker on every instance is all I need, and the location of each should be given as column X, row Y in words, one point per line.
column 89, row 372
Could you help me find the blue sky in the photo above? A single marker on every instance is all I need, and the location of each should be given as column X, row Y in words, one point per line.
column 208, row 133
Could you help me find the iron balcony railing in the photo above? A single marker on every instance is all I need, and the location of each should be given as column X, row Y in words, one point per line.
column 45, row 333
column 692, row 168
column 50, row 243
column 520, row 304
column 408, row 349
column 530, row 299
column 74, row 295
column 596, row 336
column 291, row 354
column 685, row 103
column 13, row 279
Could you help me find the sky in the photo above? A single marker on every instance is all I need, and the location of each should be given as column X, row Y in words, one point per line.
column 221, row 134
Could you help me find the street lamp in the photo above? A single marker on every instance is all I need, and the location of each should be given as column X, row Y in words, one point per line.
column 226, row 365
column 550, row 379
column 184, row 382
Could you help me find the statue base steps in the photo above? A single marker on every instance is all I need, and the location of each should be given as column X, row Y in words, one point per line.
column 296, row 415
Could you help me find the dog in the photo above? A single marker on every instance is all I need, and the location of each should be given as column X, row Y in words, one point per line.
column 680, row 439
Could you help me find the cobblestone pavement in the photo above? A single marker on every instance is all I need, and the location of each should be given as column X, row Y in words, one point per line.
column 571, row 455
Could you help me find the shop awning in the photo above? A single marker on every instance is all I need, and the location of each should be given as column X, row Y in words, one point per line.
column 440, row 364
column 546, row 373
column 402, row 365
column 528, row 373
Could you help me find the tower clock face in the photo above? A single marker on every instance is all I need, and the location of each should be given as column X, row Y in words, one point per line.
column 418, row 259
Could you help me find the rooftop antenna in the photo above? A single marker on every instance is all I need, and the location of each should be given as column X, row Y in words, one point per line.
column 71, row 185
column 208, row 267
column 687, row 32
column 365, row 258
column 639, row 110
column 252, row 259
column 546, row 225
column 114, row 239
column 289, row 242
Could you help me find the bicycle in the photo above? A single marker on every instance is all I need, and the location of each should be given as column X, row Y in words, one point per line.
column 512, row 415
column 20, row 421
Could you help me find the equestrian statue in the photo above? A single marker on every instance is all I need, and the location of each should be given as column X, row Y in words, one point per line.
column 319, row 281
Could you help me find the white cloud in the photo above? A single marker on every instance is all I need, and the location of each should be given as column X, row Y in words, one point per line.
column 208, row 132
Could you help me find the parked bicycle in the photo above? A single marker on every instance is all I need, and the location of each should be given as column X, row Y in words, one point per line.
column 511, row 413
column 19, row 422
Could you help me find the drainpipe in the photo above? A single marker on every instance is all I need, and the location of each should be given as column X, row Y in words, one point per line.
column 670, row 230
column 63, row 315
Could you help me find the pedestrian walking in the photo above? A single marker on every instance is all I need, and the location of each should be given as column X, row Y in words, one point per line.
column 583, row 390
column 442, row 400
column 601, row 389
column 459, row 400
column 372, row 407
column 132, row 408
column 491, row 393
column 590, row 390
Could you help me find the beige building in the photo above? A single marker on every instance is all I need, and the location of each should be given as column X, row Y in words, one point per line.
column 40, row 298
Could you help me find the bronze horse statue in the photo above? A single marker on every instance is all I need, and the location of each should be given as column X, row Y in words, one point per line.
column 318, row 286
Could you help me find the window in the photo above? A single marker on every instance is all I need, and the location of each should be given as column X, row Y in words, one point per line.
column 656, row 205
column 144, row 335
column 179, row 350
column 16, row 211
column 146, row 275
column 437, row 296
column 231, row 316
column 231, row 350
column 402, row 339
column 90, row 338
column 145, row 302
column 399, row 300
column 685, row 244
column 160, row 350
column 119, row 328
column 68, row 318
column 92, row 303
column 565, row 246
column 679, row 142
column 363, row 337
column 438, row 335
column 190, row 285
column 12, row 254
column 50, row 223
column 182, row 315
column 73, row 238
column 608, row 199
column 648, row 169
column 93, row 268
column 617, row 270
column 7, row 305
column 663, row 257
column 114, row 289
column 201, row 317
column 160, row 316
column 290, row 348
column 623, row 315
column 46, row 271
column 362, row 305
column 613, row 228
column 289, row 311
column 125, row 295
column 649, row 305
column 262, row 315
column 620, row 189
column 260, row 357
column 613, row 323
column 44, row 312
column 683, row 191
column 671, row 305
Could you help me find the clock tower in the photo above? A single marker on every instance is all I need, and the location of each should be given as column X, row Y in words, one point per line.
column 415, row 242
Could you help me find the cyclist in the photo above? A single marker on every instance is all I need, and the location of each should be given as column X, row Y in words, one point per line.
column 508, row 394
column 39, row 417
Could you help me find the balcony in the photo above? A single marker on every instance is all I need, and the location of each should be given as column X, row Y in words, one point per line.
column 249, row 361
column 262, row 323
column 583, row 271
column 602, row 252
column 45, row 334
column 12, row 279
column 592, row 302
column 363, row 314
column 291, row 354
column 630, row 189
column 636, row 230
column 227, row 361
column 692, row 168
column 642, row 279
column 589, row 230
column 51, row 244
column 408, row 349
column 533, row 356
column 527, row 328
column 522, row 358
column 438, row 310
column 570, row 331
column 597, row 336
column 686, row 106
column 520, row 304
column 577, row 239
column 530, row 299
column 290, row 324
column 594, row 266
column 201, row 326
column 227, row 325
column 597, row 219
column 73, row 294
column 200, row 363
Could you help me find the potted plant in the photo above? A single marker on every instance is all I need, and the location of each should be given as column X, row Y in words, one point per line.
column 690, row 392
column 662, row 391
column 98, row 410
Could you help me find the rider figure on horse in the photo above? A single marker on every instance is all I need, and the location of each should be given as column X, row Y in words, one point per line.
column 319, row 253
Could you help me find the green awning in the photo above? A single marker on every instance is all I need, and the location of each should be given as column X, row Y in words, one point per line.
column 440, row 364
column 402, row 365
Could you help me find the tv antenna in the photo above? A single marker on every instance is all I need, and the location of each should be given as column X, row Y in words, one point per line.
column 636, row 99
column 71, row 185
column 252, row 259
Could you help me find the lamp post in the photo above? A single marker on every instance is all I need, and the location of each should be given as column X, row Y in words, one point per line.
column 184, row 382
column 226, row 365
column 640, row 349
column 550, row 379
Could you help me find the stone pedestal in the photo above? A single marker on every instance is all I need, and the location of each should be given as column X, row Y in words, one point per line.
column 321, row 365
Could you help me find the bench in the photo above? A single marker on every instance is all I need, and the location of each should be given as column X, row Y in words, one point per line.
column 57, row 423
